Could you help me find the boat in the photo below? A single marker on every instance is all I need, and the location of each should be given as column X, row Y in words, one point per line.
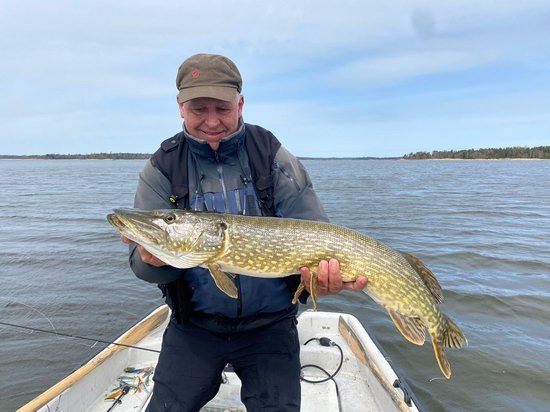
column 343, row 370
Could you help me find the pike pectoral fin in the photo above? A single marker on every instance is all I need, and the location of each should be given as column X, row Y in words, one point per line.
column 222, row 281
column 426, row 275
column 188, row 260
column 413, row 329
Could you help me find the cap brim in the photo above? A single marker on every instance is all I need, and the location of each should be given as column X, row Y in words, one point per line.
column 228, row 94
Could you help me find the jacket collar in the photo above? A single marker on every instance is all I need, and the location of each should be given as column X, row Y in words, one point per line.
column 228, row 145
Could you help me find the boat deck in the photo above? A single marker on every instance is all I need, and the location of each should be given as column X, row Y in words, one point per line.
column 363, row 382
column 315, row 396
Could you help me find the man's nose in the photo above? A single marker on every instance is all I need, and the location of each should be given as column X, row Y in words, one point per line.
column 212, row 120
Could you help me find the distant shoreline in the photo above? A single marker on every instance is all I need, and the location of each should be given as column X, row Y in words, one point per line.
column 68, row 158
column 450, row 159
column 90, row 156
column 145, row 157
column 506, row 153
column 84, row 157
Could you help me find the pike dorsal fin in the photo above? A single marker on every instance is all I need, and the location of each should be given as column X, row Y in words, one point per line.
column 222, row 281
column 426, row 275
column 413, row 329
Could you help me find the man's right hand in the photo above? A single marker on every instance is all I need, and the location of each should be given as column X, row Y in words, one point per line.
column 146, row 257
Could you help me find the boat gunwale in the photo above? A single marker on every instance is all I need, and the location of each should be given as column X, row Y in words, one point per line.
column 132, row 336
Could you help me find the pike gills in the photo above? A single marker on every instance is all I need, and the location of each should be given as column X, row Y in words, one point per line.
column 277, row 247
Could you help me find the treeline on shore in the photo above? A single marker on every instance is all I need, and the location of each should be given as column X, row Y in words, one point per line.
column 132, row 156
column 91, row 156
column 540, row 152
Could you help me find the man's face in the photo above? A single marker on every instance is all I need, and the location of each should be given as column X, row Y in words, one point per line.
column 210, row 119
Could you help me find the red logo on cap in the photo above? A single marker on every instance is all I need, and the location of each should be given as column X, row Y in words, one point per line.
column 195, row 73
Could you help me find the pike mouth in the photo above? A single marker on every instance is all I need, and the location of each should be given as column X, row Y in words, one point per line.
column 115, row 221
column 132, row 224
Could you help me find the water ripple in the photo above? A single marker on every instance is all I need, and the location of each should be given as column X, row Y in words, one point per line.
column 482, row 227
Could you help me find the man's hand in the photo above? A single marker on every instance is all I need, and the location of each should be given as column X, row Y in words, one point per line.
column 329, row 279
column 146, row 257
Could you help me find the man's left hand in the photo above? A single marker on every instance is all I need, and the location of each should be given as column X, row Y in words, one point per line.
column 329, row 279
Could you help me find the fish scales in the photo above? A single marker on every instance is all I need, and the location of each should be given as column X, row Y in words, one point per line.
column 268, row 249
column 277, row 247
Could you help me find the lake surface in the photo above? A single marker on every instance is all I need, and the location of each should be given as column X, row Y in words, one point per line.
column 483, row 227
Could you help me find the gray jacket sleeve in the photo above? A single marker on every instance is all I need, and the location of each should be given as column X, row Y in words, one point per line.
column 153, row 192
column 293, row 190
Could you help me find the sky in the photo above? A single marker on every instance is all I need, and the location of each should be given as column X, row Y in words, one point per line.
column 328, row 78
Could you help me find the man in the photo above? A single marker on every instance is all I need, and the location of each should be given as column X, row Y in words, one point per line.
column 219, row 163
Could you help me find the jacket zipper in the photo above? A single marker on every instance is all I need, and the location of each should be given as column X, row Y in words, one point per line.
column 219, row 168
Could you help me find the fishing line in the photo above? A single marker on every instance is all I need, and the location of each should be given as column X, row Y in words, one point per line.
column 60, row 334
column 32, row 308
column 68, row 335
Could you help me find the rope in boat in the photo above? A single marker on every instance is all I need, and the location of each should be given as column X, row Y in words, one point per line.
column 68, row 335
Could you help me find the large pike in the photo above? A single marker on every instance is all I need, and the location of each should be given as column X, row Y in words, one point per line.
column 276, row 247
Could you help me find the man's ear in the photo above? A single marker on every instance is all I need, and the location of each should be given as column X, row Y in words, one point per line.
column 241, row 104
column 182, row 110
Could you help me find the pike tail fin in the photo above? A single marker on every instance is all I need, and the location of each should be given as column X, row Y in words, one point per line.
column 451, row 337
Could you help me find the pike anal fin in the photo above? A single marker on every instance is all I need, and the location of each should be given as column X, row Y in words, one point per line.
column 413, row 329
column 222, row 281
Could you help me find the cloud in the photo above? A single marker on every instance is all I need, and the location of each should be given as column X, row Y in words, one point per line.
column 109, row 67
column 389, row 69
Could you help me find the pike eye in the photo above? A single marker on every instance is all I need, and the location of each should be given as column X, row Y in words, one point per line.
column 171, row 218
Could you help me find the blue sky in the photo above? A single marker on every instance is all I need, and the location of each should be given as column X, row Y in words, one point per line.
column 346, row 78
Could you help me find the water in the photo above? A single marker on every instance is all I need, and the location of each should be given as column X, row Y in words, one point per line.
column 482, row 227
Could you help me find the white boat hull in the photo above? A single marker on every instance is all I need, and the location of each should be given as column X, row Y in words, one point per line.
column 364, row 382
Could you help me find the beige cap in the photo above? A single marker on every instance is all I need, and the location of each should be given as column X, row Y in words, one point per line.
column 208, row 75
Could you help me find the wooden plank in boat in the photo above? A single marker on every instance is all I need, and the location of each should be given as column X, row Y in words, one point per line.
column 131, row 337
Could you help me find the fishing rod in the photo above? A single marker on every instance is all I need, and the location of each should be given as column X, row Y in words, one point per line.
column 67, row 335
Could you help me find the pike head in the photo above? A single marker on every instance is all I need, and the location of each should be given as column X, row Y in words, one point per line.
column 180, row 238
